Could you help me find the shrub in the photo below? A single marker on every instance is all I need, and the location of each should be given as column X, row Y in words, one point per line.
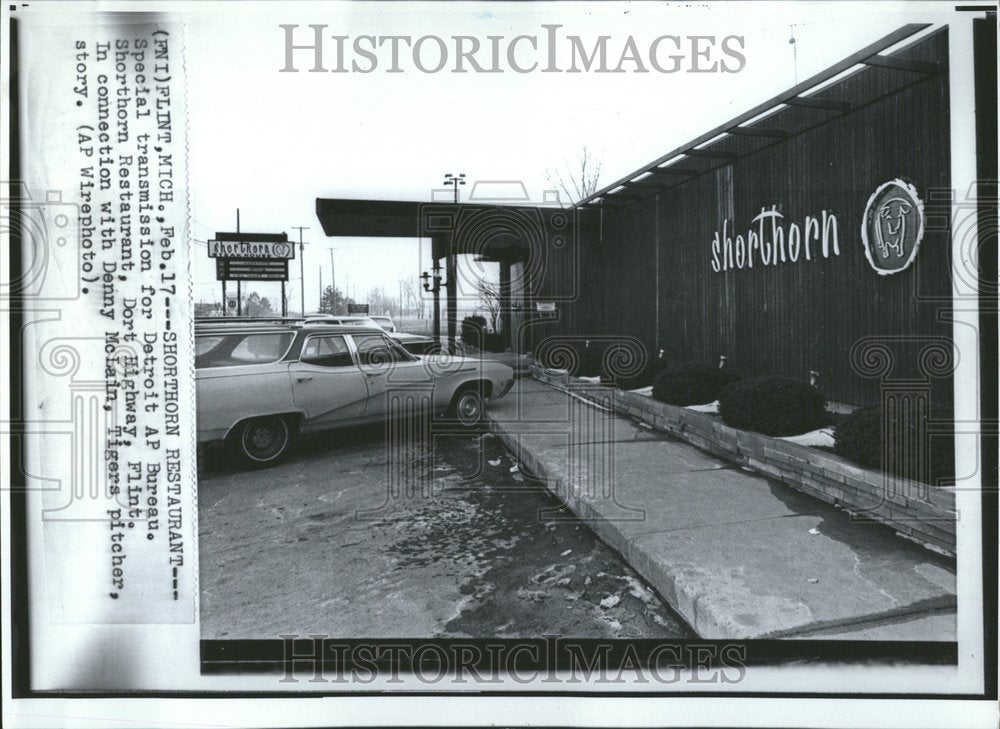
column 859, row 438
column 637, row 380
column 773, row 406
column 494, row 342
column 691, row 383
column 589, row 356
column 473, row 329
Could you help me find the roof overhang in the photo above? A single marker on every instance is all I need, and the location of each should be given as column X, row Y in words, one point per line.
column 493, row 232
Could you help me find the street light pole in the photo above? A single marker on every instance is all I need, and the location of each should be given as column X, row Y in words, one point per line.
column 455, row 181
column 450, row 267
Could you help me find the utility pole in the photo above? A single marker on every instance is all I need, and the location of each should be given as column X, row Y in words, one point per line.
column 333, row 281
column 320, row 307
column 302, row 265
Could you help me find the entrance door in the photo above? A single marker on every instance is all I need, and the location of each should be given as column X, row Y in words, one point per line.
column 327, row 384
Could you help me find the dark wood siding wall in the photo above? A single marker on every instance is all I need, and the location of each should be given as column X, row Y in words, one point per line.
column 651, row 274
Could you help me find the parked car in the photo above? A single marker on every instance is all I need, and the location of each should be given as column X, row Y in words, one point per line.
column 259, row 384
column 385, row 322
column 414, row 343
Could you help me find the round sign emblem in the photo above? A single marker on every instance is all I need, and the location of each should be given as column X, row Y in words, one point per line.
column 892, row 227
column 280, row 250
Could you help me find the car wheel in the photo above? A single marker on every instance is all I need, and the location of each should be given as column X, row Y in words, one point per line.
column 264, row 441
column 469, row 408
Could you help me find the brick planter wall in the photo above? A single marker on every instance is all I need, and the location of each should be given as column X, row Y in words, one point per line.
column 923, row 513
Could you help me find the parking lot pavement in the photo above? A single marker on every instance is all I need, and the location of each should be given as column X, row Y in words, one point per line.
column 314, row 546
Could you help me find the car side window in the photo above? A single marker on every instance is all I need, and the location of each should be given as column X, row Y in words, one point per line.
column 327, row 352
column 258, row 349
column 233, row 350
column 374, row 349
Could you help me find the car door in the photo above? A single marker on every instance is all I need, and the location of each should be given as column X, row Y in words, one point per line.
column 327, row 383
column 391, row 373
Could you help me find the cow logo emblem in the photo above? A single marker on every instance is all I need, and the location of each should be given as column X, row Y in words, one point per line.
column 893, row 227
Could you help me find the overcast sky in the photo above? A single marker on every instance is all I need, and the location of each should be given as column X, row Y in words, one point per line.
column 270, row 143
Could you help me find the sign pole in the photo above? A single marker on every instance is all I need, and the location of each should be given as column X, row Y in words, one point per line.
column 239, row 287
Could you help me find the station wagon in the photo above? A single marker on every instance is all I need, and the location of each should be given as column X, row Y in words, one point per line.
column 261, row 384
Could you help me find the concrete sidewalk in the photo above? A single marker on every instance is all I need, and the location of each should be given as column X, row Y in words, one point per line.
column 736, row 554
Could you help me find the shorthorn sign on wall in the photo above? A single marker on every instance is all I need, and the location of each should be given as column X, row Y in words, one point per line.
column 769, row 241
column 893, row 227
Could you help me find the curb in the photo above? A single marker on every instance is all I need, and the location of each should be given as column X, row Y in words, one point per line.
column 924, row 514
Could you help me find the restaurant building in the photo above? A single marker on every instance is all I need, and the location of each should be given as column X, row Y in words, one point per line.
column 813, row 236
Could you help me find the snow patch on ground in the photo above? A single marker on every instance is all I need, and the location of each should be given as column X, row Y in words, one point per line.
column 647, row 391
column 530, row 595
column 554, row 574
column 638, row 590
column 592, row 380
column 610, row 601
column 821, row 437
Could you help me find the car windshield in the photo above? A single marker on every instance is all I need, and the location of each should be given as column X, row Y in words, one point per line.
column 242, row 348
column 376, row 349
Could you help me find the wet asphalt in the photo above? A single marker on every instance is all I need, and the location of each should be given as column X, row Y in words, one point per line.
column 444, row 537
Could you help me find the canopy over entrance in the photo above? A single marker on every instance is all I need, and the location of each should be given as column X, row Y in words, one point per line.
column 506, row 234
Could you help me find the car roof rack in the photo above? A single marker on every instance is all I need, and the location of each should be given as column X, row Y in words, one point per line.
column 222, row 324
column 246, row 319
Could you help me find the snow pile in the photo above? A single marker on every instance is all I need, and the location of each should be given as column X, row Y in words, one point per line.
column 821, row 437
column 712, row 407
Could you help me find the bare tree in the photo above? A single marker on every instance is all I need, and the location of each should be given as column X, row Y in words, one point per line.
column 577, row 181
column 489, row 296
column 411, row 295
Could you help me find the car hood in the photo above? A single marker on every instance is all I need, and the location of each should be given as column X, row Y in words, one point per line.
column 403, row 337
column 457, row 362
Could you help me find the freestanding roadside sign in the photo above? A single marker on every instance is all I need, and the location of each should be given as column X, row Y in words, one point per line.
column 250, row 269
column 263, row 250
column 251, row 257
